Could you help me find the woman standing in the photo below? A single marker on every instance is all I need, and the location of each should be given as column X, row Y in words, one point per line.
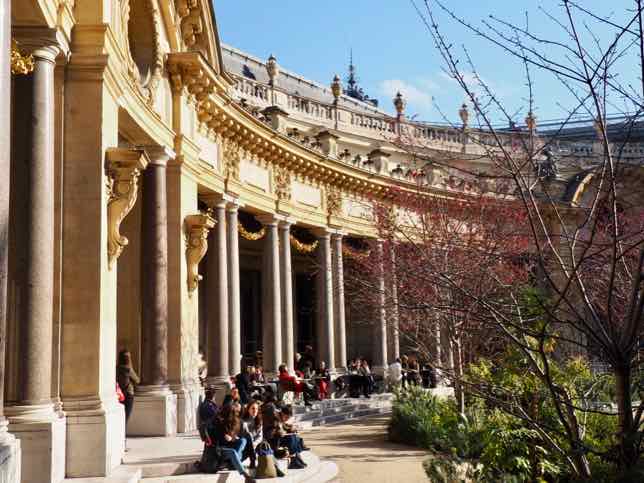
column 126, row 379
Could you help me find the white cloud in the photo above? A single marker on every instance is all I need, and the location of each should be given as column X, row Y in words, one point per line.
column 418, row 96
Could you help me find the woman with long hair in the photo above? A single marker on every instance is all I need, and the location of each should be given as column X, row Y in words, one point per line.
column 228, row 432
column 126, row 378
column 252, row 430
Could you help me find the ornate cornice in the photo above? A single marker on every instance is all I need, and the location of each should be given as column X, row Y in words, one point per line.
column 196, row 228
column 123, row 168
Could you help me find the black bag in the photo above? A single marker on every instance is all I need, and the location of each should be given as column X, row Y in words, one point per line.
column 211, row 459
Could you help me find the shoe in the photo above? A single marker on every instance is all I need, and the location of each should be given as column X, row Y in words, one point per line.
column 248, row 478
column 296, row 464
column 306, row 448
column 301, row 461
column 279, row 473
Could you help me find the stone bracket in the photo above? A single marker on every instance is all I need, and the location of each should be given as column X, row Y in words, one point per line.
column 123, row 167
column 196, row 228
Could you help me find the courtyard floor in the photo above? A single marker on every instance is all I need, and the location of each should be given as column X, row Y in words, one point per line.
column 363, row 454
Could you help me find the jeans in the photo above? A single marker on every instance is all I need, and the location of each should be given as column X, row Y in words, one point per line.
column 233, row 454
column 249, row 450
column 293, row 442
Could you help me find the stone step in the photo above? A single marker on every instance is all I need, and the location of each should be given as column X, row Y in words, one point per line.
column 317, row 471
column 122, row 474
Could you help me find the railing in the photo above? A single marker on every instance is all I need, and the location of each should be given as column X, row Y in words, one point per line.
column 309, row 107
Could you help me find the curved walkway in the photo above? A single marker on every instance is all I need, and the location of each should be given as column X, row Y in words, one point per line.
column 363, row 454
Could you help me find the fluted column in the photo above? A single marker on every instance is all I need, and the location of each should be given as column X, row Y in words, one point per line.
column 271, row 297
column 217, row 299
column 338, row 302
column 234, row 324
column 154, row 319
column 325, row 332
column 288, row 346
column 380, row 328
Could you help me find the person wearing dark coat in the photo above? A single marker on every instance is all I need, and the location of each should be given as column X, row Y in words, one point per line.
column 243, row 384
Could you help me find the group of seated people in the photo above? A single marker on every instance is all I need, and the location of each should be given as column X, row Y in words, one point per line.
column 237, row 430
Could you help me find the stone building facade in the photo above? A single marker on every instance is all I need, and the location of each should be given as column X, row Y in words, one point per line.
column 162, row 192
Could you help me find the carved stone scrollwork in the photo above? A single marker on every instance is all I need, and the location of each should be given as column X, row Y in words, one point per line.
column 123, row 168
column 333, row 201
column 282, row 183
column 197, row 228
column 232, row 160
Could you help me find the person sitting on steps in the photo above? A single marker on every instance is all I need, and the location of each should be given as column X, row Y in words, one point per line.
column 291, row 383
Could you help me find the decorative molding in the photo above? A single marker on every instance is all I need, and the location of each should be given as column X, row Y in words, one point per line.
column 282, row 183
column 196, row 228
column 147, row 86
column 123, row 168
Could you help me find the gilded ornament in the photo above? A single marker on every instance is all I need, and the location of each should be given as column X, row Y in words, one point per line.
column 197, row 228
column 303, row 247
column 249, row 235
column 20, row 64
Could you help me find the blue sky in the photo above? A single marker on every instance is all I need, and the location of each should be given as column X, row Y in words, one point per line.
column 393, row 50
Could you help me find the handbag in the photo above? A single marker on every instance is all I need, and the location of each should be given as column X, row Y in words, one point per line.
column 265, row 461
column 119, row 393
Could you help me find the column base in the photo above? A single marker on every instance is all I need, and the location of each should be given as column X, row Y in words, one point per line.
column 9, row 456
column 154, row 412
column 189, row 396
column 95, row 437
column 379, row 370
column 42, row 436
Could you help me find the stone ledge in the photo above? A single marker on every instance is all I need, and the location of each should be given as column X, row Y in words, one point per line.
column 120, row 475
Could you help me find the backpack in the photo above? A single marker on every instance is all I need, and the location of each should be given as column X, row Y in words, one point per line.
column 266, row 461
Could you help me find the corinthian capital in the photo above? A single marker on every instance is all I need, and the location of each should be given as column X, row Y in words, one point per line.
column 123, row 168
column 197, row 228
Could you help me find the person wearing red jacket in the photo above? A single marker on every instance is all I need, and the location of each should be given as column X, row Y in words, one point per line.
column 292, row 383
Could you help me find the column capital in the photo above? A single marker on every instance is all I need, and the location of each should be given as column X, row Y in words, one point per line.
column 322, row 232
column 159, row 155
column 233, row 205
column 270, row 219
column 41, row 42
column 286, row 223
column 219, row 200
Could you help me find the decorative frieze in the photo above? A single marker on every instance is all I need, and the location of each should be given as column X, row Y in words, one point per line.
column 232, row 159
column 124, row 167
column 196, row 228
column 333, row 201
column 282, row 183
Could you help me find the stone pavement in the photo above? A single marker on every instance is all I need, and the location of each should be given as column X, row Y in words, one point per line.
column 363, row 454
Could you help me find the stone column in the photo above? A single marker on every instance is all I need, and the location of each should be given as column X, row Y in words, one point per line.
column 217, row 300
column 34, row 419
column 338, row 299
column 394, row 331
column 380, row 320
column 325, row 332
column 155, row 413
column 286, row 273
column 271, row 297
column 10, row 470
column 234, row 310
